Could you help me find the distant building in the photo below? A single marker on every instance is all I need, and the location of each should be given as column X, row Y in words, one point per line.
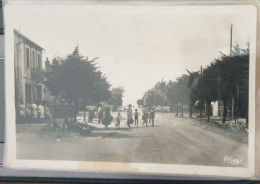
column 28, row 67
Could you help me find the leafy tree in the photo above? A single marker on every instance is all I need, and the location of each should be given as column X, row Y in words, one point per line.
column 161, row 86
column 78, row 78
column 172, row 96
column 231, row 73
column 183, row 90
column 207, row 87
column 178, row 93
column 53, row 77
column 154, row 97
column 194, row 90
column 140, row 102
column 116, row 98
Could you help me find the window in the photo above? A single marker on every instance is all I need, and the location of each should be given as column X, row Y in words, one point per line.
column 27, row 58
column 33, row 60
column 39, row 61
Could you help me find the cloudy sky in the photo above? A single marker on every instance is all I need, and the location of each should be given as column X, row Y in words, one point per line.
column 136, row 45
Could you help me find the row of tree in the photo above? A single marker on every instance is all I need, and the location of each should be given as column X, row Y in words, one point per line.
column 225, row 80
column 78, row 81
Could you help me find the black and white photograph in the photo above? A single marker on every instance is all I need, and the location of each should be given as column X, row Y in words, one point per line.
column 131, row 88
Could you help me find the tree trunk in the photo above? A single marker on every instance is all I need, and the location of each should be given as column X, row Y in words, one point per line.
column 201, row 108
column 84, row 114
column 76, row 111
column 230, row 108
column 177, row 110
column 208, row 109
column 54, row 114
column 224, row 110
column 191, row 107
column 182, row 109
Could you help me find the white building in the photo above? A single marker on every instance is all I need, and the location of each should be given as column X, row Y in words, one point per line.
column 28, row 66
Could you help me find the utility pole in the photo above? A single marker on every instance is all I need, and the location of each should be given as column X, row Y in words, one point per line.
column 232, row 102
column 231, row 30
column 201, row 105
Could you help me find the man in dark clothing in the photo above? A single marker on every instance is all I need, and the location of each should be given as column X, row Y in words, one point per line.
column 136, row 114
column 152, row 116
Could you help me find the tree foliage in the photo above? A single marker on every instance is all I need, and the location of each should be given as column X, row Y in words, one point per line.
column 116, row 98
column 155, row 96
column 79, row 78
column 224, row 80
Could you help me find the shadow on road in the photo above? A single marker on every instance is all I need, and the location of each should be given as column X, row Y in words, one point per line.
column 108, row 134
column 93, row 131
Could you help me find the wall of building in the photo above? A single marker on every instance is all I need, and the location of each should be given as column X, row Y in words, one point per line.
column 23, row 71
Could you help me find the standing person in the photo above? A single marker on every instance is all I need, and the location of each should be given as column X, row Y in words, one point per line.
column 108, row 118
column 145, row 117
column 100, row 114
column 91, row 114
column 47, row 113
column 136, row 114
column 149, row 115
column 129, row 116
column 152, row 116
column 41, row 111
column 29, row 112
column 22, row 113
column 118, row 119
column 34, row 110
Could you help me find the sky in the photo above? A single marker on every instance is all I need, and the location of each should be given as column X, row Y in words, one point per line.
column 140, row 45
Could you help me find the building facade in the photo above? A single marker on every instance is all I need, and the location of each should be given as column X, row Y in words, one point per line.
column 28, row 70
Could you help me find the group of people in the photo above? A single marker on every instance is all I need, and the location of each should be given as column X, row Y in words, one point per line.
column 105, row 117
column 34, row 112
column 133, row 117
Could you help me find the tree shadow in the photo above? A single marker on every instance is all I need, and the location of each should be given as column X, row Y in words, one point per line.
column 104, row 132
column 103, row 135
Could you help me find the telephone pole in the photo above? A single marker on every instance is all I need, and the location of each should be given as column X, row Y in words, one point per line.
column 233, row 100
column 231, row 29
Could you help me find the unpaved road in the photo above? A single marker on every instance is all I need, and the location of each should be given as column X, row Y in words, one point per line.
column 172, row 140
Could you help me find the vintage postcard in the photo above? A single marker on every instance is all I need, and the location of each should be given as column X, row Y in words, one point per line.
column 146, row 89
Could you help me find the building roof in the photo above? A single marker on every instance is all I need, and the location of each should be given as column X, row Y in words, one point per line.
column 27, row 39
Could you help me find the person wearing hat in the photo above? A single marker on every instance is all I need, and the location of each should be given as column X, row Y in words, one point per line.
column 129, row 115
column 136, row 114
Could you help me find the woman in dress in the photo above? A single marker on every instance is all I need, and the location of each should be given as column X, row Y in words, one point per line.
column 129, row 115
column 34, row 110
column 41, row 111
column 108, row 118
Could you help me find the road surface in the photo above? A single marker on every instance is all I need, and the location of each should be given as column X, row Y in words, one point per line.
column 173, row 140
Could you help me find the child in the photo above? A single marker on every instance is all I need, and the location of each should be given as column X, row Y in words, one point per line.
column 118, row 118
column 136, row 113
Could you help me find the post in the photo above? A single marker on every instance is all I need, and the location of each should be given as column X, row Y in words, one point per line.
column 201, row 103
column 232, row 108
column 232, row 102
column 231, row 30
